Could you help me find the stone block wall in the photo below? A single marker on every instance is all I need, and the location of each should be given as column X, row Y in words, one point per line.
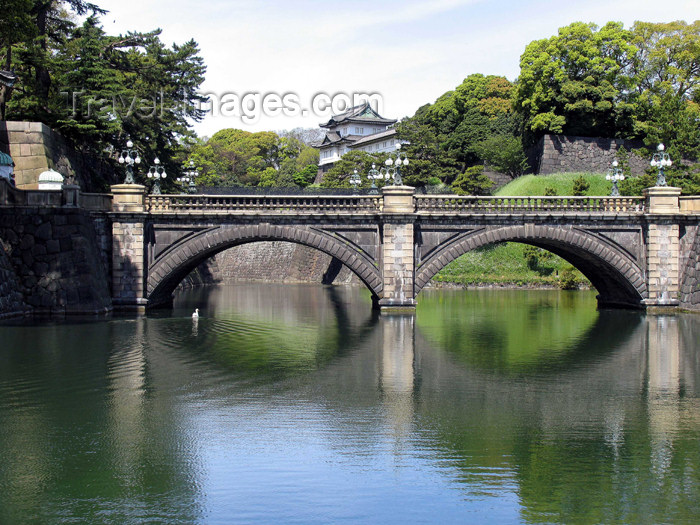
column 663, row 250
column 690, row 268
column 11, row 302
column 397, row 265
column 570, row 154
column 128, row 261
column 276, row 261
column 35, row 148
column 55, row 256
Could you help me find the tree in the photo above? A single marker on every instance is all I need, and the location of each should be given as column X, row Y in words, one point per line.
column 581, row 186
column 472, row 182
column 97, row 89
column 575, row 82
column 15, row 26
column 444, row 138
column 306, row 176
column 613, row 82
column 667, row 69
column 234, row 157
column 51, row 26
column 504, row 153
column 339, row 175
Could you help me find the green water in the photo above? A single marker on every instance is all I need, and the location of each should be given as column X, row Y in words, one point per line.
column 298, row 404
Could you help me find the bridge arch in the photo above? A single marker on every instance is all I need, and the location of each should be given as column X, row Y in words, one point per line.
column 612, row 271
column 168, row 270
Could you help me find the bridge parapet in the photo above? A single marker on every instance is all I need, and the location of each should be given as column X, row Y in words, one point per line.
column 69, row 196
column 342, row 204
column 490, row 204
column 690, row 204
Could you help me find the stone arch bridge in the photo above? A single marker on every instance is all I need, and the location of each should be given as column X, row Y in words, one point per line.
column 635, row 250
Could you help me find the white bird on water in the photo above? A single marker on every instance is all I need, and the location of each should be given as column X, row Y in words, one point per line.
column 195, row 315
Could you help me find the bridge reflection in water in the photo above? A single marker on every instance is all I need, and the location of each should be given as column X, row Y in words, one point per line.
column 288, row 400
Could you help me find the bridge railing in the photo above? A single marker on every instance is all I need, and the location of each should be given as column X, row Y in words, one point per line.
column 690, row 204
column 346, row 204
column 491, row 204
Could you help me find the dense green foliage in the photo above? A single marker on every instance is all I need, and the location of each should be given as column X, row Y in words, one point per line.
column 636, row 83
column 472, row 182
column 461, row 129
column 98, row 89
column 615, row 82
column 339, row 175
column 233, row 157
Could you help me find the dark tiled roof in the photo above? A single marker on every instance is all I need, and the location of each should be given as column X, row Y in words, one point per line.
column 334, row 137
column 368, row 139
column 361, row 113
column 7, row 78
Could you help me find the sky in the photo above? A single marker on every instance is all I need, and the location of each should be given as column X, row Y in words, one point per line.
column 276, row 65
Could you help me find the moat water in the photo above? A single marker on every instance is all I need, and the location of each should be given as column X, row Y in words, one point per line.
column 299, row 404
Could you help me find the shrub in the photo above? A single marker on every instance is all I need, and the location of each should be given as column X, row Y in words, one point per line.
column 568, row 279
column 581, row 186
column 472, row 182
column 537, row 259
column 504, row 153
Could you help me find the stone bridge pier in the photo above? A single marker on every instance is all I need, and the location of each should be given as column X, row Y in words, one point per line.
column 638, row 252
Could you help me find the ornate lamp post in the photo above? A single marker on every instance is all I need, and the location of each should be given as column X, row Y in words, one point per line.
column 129, row 156
column 615, row 175
column 188, row 176
column 355, row 180
column 662, row 160
column 393, row 166
column 156, row 172
column 374, row 175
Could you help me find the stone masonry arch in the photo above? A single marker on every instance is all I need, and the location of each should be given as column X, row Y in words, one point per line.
column 166, row 272
column 614, row 273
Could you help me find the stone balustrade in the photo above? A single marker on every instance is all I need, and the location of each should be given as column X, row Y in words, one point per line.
column 69, row 196
column 351, row 204
column 489, row 204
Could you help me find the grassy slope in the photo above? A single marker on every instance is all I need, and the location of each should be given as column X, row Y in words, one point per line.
column 562, row 182
column 504, row 263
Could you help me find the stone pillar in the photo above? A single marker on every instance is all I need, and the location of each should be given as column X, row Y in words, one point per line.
column 663, row 245
column 397, row 250
column 128, row 247
column 71, row 195
column 128, row 197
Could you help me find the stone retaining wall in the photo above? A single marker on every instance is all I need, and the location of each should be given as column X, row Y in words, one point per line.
column 277, row 261
column 11, row 303
column 35, row 148
column 690, row 268
column 56, row 258
column 569, row 154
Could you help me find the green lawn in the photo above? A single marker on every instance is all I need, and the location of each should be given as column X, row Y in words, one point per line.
column 504, row 264
column 562, row 183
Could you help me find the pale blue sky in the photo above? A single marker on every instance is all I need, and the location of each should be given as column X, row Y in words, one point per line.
column 408, row 51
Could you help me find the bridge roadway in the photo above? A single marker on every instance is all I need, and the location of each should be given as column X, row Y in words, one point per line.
column 635, row 250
